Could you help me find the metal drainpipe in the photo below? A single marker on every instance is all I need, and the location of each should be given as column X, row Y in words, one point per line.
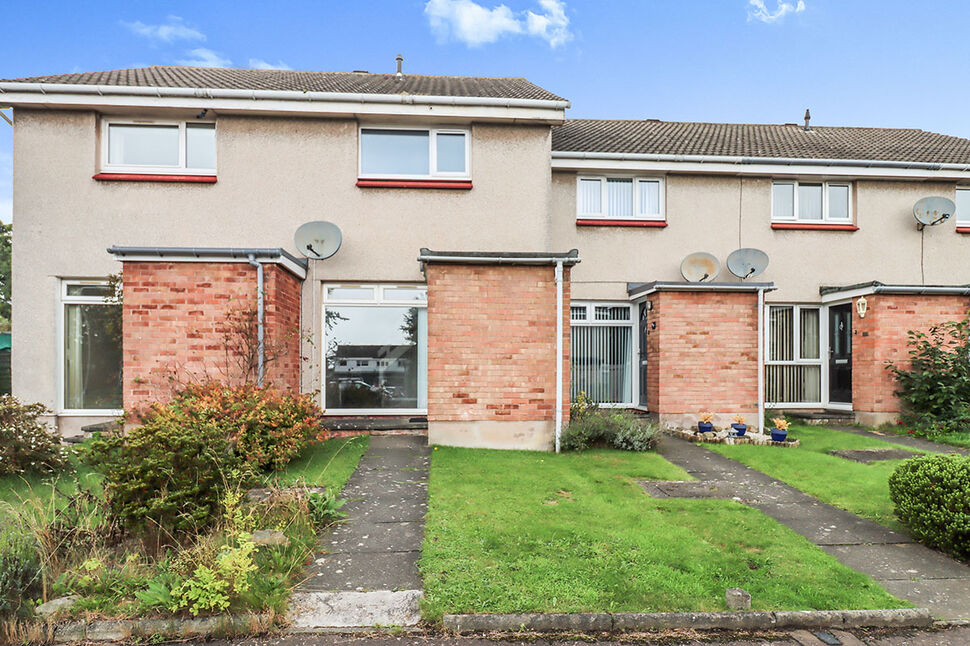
column 260, row 332
column 558, row 352
column 761, row 362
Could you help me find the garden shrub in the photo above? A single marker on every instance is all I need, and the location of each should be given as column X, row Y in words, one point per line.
column 931, row 496
column 20, row 571
column 26, row 443
column 637, row 436
column 621, row 429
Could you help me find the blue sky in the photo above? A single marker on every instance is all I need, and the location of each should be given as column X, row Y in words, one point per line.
column 894, row 63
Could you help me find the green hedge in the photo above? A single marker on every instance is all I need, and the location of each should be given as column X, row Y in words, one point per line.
column 931, row 495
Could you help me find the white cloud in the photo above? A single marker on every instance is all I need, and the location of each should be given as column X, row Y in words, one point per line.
column 475, row 25
column 260, row 64
column 173, row 29
column 6, row 210
column 758, row 11
column 202, row 57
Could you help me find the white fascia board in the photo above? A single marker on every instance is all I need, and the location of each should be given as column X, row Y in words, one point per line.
column 916, row 290
column 698, row 287
column 850, row 169
column 283, row 261
column 39, row 95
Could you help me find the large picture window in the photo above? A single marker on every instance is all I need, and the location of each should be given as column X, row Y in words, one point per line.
column 601, row 352
column 159, row 147
column 793, row 369
column 413, row 153
column 376, row 348
column 92, row 355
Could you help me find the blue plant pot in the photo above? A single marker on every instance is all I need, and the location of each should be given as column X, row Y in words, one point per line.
column 740, row 428
column 778, row 436
column 705, row 427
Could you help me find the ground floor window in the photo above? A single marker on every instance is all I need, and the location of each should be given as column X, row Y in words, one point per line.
column 375, row 348
column 601, row 352
column 92, row 355
column 793, row 370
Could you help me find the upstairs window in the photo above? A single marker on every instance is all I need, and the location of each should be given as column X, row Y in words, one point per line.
column 963, row 206
column 159, row 147
column 811, row 202
column 401, row 153
column 620, row 198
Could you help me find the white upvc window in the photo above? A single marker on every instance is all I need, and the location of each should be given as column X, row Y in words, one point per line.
column 602, row 351
column 620, row 198
column 963, row 205
column 811, row 202
column 375, row 349
column 414, row 153
column 89, row 348
column 158, row 147
column 794, row 355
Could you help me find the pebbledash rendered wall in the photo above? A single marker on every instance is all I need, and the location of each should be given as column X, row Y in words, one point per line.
column 881, row 337
column 492, row 355
column 702, row 356
column 177, row 319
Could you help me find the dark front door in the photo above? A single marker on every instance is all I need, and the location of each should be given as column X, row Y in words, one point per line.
column 840, row 354
column 642, row 354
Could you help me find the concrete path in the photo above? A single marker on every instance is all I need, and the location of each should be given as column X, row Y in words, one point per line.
column 903, row 567
column 366, row 572
column 906, row 440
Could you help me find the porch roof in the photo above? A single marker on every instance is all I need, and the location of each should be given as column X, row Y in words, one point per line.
column 641, row 289
column 570, row 257
column 276, row 255
column 876, row 287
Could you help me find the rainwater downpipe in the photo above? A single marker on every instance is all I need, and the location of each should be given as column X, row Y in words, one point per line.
column 761, row 360
column 559, row 401
column 260, row 332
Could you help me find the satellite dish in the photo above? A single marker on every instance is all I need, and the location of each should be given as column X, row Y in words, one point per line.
column 700, row 267
column 318, row 240
column 933, row 210
column 747, row 263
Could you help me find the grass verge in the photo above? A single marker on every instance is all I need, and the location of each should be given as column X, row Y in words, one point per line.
column 328, row 463
column 517, row 531
column 862, row 489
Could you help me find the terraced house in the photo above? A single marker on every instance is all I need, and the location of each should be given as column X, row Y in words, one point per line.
column 497, row 257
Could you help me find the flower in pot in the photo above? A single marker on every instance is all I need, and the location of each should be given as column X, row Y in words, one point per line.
column 706, row 423
column 779, row 431
column 740, row 424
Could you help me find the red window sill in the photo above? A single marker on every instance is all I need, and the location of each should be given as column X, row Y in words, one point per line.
column 138, row 177
column 963, row 229
column 814, row 227
column 463, row 184
column 657, row 224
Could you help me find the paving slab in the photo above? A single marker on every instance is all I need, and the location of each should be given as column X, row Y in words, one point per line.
column 364, row 571
column 866, row 456
column 952, row 594
column 311, row 611
column 365, row 537
column 394, row 462
column 905, row 561
column 825, row 525
column 917, row 443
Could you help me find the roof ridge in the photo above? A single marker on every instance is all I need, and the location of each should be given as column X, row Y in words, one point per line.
column 766, row 125
column 259, row 70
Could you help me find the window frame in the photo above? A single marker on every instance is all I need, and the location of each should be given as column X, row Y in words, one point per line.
column 590, row 321
column 826, row 219
column 964, row 221
column 377, row 300
column 797, row 360
column 141, row 169
column 63, row 300
column 432, row 153
column 636, row 217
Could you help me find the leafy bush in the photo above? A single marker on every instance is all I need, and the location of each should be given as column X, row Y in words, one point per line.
column 26, row 443
column 931, row 496
column 20, row 571
column 324, row 508
column 936, row 386
column 212, row 588
column 618, row 428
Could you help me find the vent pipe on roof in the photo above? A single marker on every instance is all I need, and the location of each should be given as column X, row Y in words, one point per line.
column 400, row 64
column 808, row 118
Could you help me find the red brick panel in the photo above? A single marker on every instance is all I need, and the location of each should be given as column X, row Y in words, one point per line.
column 882, row 336
column 175, row 322
column 492, row 343
column 703, row 354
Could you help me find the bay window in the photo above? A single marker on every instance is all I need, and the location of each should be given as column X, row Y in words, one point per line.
column 158, row 147
column 375, row 348
column 91, row 348
column 414, row 153
column 793, row 369
column 620, row 198
column 811, row 202
column 601, row 352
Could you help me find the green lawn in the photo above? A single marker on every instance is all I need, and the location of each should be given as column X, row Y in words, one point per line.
column 518, row 531
column 16, row 489
column 859, row 488
column 328, row 463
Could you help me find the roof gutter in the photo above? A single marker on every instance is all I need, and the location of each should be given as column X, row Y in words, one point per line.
column 639, row 290
column 296, row 266
column 500, row 259
column 10, row 87
column 787, row 161
column 854, row 291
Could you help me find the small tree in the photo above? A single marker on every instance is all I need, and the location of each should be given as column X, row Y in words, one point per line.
column 937, row 382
